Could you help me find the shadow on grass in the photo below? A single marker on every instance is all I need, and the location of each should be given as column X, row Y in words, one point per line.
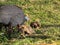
column 46, row 26
column 39, row 36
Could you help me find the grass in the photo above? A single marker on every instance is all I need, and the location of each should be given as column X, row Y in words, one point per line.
column 48, row 13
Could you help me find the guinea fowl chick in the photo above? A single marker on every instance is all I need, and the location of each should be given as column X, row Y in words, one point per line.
column 25, row 30
column 35, row 24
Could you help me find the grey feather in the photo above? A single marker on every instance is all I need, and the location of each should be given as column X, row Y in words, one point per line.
column 11, row 13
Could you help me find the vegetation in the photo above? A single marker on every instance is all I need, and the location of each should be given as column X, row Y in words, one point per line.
column 48, row 13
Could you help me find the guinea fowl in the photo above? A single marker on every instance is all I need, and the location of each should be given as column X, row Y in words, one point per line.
column 10, row 16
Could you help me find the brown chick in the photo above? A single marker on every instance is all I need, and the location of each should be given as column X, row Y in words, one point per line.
column 25, row 30
column 35, row 24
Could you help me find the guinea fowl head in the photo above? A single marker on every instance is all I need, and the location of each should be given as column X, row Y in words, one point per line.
column 27, row 18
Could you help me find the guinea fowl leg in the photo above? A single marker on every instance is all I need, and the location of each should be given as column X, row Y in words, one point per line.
column 1, row 25
column 0, row 28
column 9, row 30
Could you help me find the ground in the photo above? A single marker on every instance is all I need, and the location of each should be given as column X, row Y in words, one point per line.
column 48, row 14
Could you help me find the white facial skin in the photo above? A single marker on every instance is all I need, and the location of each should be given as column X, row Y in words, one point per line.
column 27, row 18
